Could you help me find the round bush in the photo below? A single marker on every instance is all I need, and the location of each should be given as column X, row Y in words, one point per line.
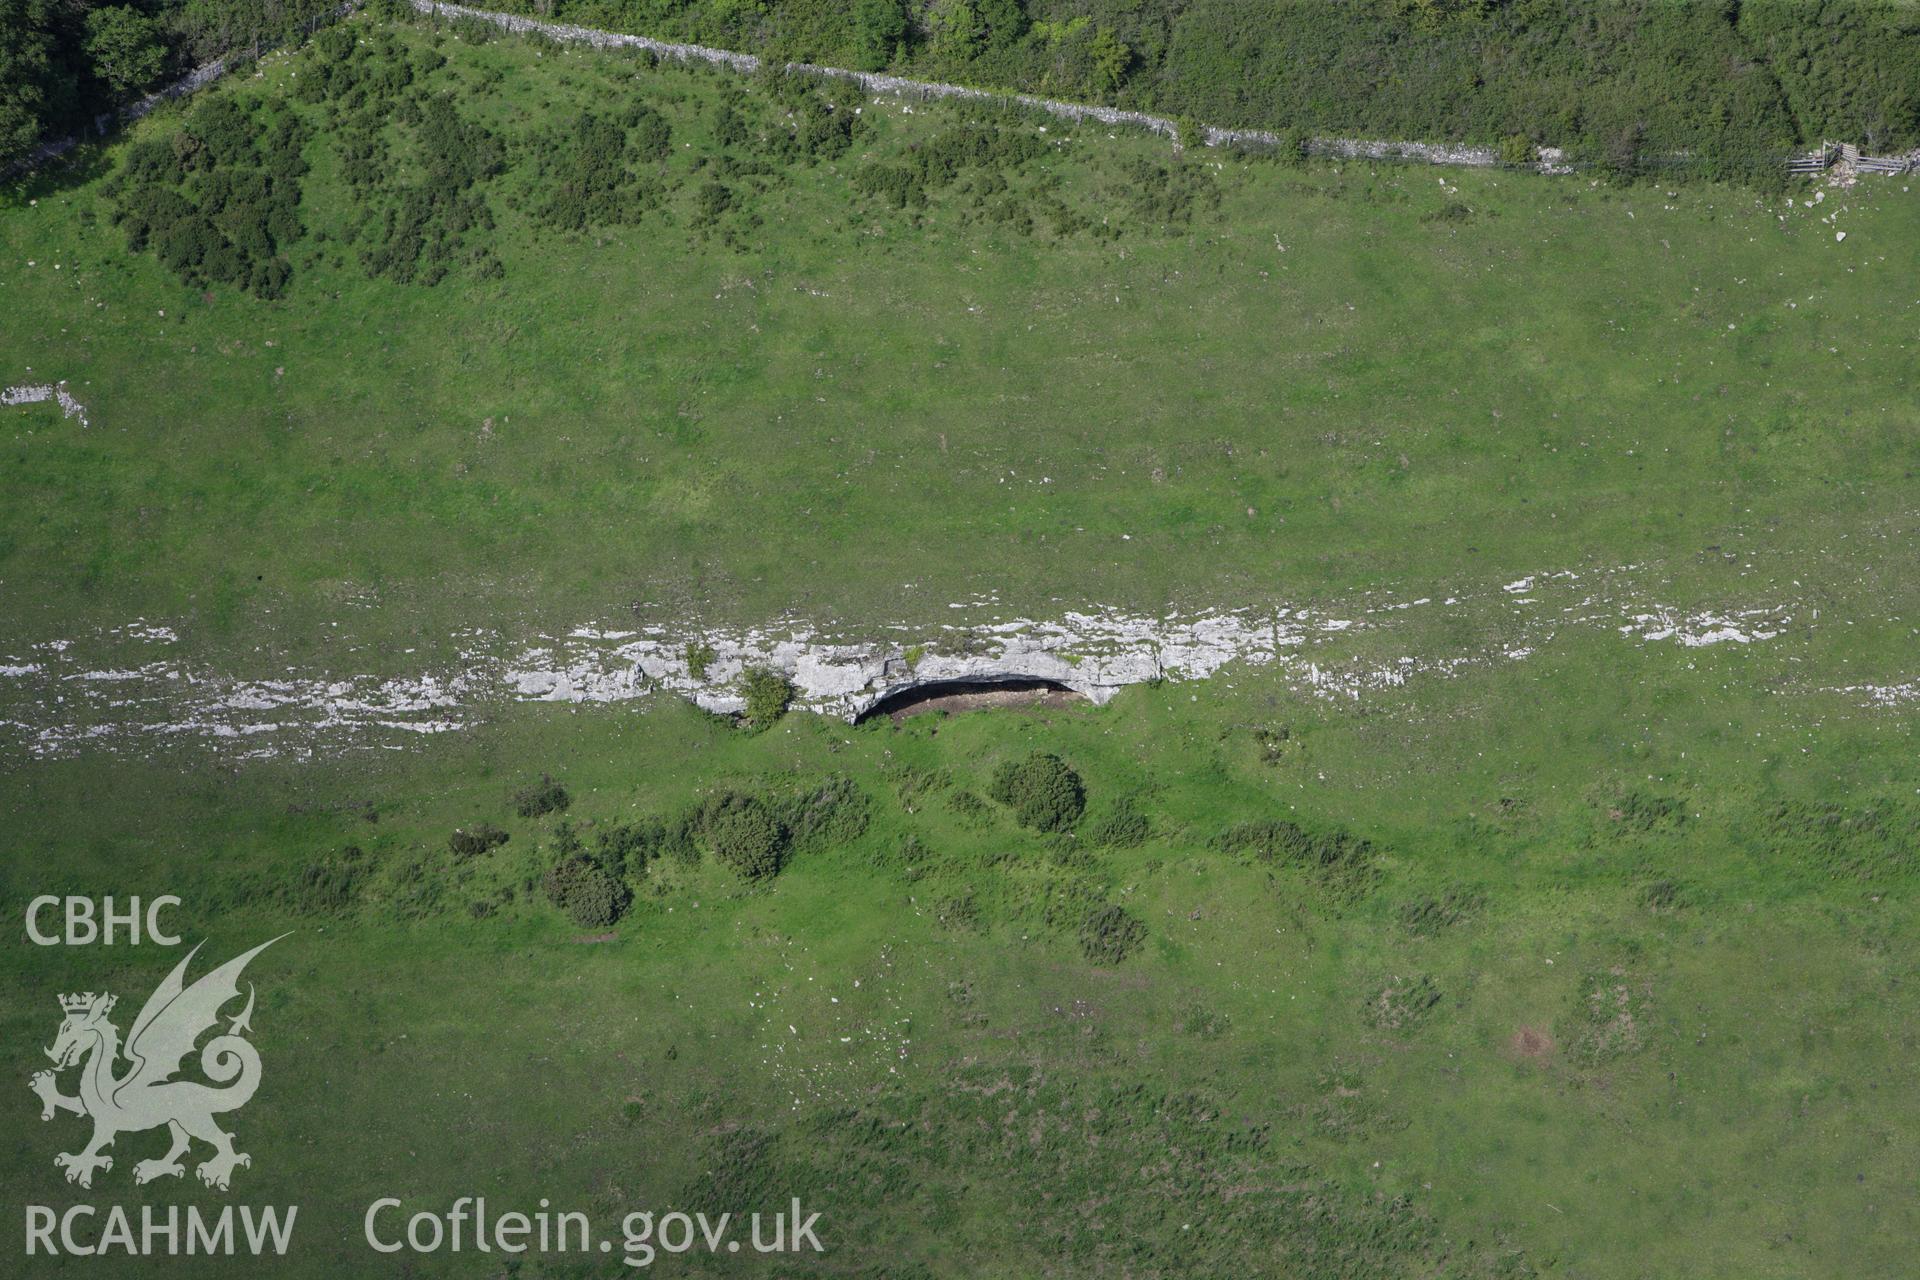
column 471, row 842
column 537, row 799
column 745, row 835
column 768, row 695
column 1043, row 791
column 590, row 896
column 1518, row 152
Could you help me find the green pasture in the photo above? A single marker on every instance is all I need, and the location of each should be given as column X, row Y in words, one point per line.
column 903, row 1029
column 1598, row 963
column 1340, row 378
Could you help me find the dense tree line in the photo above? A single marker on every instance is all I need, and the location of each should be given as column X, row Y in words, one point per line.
column 65, row 62
column 1624, row 83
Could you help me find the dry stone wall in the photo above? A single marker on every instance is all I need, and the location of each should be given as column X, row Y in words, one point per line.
column 1547, row 159
column 1550, row 158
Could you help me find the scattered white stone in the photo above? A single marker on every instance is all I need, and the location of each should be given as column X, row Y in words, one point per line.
column 1697, row 630
column 1883, row 695
column 101, row 691
column 39, row 393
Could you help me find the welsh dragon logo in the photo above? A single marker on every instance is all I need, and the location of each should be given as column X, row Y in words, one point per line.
column 146, row 1096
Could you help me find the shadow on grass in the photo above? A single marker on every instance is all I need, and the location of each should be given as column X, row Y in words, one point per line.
column 87, row 161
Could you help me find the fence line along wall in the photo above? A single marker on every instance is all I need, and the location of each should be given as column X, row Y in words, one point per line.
column 194, row 81
column 1546, row 159
column 1550, row 159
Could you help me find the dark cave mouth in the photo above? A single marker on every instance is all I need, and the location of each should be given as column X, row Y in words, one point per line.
column 972, row 695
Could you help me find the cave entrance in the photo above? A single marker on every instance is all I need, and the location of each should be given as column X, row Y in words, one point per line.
column 971, row 695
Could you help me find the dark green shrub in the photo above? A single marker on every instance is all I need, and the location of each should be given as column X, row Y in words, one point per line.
column 1292, row 148
column 1166, row 196
column 729, row 127
column 898, row 185
column 588, row 176
column 1275, row 742
column 826, row 131
column 768, row 695
column 1517, row 151
column 471, row 842
column 745, row 834
column 587, row 892
column 629, row 849
column 225, row 129
column 127, row 48
column 566, row 840
column 472, row 30
column 711, row 202
column 1110, row 934
column 991, row 151
column 1043, row 791
column 1452, row 211
column 218, row 202
column 542, row 797
column 650, row 135
column 1621, row 155
column 879, row 31
column 421, row 213
column 154, row 163
column 625, row 849
column 677, row 838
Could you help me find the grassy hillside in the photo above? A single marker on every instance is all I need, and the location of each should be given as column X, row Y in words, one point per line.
column 1253, row 383
column 1570, row 945
column 1616, row 988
